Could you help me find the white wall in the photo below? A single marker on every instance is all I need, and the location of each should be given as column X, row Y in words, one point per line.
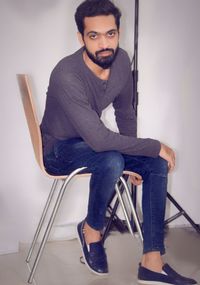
column 34, row 36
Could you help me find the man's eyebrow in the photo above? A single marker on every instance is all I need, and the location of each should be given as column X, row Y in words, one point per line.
column 113, row 30
column 94, row 32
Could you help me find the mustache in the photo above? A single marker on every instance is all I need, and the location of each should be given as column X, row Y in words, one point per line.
column 106, row 49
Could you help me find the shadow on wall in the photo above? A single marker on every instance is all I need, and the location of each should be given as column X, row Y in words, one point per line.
column 32, row 8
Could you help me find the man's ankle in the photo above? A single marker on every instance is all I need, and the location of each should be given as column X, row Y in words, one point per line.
column 152, row 261
column 91, row 235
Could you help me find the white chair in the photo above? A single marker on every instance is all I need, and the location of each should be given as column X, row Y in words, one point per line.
column 35, row 133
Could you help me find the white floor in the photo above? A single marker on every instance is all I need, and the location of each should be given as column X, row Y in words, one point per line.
column 60, row 263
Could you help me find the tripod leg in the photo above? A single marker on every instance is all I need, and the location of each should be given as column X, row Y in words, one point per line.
column 181, row 212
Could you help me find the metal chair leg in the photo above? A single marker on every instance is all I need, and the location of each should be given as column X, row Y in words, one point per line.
column 51, row 220
column 113, row 218
column 133, row 211
column 44, row 213
column 121, row 201
column 132, row 222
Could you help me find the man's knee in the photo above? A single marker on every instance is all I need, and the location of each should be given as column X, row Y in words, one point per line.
column 160, row 166
column 113, row 163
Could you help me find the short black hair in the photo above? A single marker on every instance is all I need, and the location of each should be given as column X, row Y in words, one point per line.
column 92, row 8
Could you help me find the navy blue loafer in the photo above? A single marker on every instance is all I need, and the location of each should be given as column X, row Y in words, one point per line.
column 167, row 277
column 94, row 253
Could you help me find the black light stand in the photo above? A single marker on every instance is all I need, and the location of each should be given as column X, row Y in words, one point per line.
column 135, row 73
column 134, row 62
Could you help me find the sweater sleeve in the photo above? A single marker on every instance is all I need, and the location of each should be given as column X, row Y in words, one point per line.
column 124, row 111
column 73, row 100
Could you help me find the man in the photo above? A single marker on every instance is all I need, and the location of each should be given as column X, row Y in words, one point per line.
column 81, row 86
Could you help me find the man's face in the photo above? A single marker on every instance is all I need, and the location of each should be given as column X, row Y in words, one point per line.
column 101, row 39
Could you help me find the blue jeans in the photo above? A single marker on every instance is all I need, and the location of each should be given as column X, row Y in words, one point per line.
column 106, row 168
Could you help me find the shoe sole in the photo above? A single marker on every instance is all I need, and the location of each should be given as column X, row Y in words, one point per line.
column 153, row 282
column 88, row 266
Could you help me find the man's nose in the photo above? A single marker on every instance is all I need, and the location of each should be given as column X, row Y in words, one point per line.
column 103, row 42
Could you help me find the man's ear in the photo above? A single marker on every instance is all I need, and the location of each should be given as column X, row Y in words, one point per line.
column 80, row 38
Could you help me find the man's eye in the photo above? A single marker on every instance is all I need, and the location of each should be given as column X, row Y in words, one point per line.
column 111, row 34
column 93, row 36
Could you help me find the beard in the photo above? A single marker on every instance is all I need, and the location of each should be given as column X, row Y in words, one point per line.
column 104, row 62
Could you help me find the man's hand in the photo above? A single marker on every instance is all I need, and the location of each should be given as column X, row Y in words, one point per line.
column 135, row 178
column 168, row 154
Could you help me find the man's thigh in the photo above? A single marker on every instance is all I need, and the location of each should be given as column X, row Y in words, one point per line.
column 74, row 153
column 144, row 165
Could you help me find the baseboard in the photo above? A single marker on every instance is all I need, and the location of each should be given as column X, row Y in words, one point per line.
column 63, row 232
column 8, row 249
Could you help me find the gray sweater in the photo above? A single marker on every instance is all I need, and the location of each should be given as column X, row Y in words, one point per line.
column 76, row 98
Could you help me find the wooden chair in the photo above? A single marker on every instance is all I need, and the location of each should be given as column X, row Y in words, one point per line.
column 35, row 133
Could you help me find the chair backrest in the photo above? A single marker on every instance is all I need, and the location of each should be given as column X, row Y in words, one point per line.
column 31, row 117
column 33, row 124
